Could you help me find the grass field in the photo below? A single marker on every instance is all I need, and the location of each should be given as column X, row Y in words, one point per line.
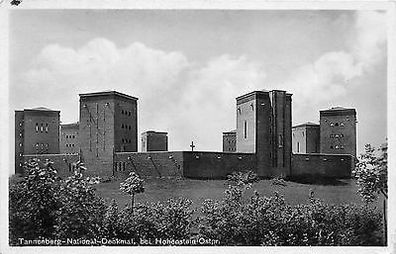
column 199, row 190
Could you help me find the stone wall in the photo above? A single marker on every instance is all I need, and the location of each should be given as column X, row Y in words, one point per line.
column 329, row 165
column 63, row 163
column 201, row 165
column 215, row 165
column 149, row 164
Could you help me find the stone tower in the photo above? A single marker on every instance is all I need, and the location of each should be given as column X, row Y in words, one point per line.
column 69, row 138
column 154, row 141
column 36, row 132
column 108, row 124
column 264, row 128
column 229, row 141
column 306, row 138
column 338, row 131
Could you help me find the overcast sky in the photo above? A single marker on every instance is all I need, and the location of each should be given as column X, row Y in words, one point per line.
column 187, row 67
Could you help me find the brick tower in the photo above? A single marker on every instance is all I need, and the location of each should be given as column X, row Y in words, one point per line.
column 338, row 131
column 154, row 141
column 108, row 124
column 306, row 138
column 69, row 138
column 229, row 141
column 36, row 132
column 264, row 128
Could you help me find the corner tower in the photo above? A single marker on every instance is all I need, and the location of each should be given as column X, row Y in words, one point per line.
column 108, row 124
column 264, row 128
column 338, row 131
column 36, row 132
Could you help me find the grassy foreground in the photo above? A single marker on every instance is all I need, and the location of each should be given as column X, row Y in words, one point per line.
column 199, row 190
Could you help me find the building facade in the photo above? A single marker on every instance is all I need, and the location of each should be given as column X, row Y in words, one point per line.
column 154, row 141
column 106, row 141
column 229, row 141
column 264, row 128
column 36, row 132
column 306, row 138
column 69, row 138
column 108, row 124
column 338, row 131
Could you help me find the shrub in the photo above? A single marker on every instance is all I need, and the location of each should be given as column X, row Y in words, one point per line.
column 138, row 223
column 271, row 221
column 171, row 219
column 110, row 221
column 245, row 179
column 82, row 211
column 41, row 205
column 33, row 202
column 372, row 172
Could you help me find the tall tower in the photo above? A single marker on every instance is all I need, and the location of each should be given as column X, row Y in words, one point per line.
column 108, row 124
column 338, row 131
column 281, row 132
column 36, row 132
column 264, row 128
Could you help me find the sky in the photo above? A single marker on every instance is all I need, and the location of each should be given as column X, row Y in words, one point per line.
column 188, row 66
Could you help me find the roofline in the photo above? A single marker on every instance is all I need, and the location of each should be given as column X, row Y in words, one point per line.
column 69, row 124
column 156, row 132
column 306, row 124
column 38, row 110
column 278, row 90
column 334, row 110
column 261, row 92
column 251, row 93
column 106, row 93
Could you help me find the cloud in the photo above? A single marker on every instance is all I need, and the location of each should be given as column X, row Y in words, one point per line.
column 322, row 83
column 100, row 64
column 369, row 46
column 191, row 101
column 208, row 102
column 196, row 101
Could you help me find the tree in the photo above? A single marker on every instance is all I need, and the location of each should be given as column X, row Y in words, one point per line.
column 132, row 185
column 33, row 202
column 110, row 221
column 242, row 179
column 371, row 174
column 82, row 211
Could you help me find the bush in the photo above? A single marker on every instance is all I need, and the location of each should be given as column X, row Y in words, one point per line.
column 43, row 206
column 33, row 203
column 271, row 221
column 171, row 219
column 174, row 218
column 137, row 223
column 81, row 212
column 110, row 221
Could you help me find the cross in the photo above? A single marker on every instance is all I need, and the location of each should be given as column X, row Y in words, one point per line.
column 192, row 145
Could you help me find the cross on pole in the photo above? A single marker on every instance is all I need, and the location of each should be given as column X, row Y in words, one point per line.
column 192, row 145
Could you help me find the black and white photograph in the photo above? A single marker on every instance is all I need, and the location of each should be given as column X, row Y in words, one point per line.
column 210, row 128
